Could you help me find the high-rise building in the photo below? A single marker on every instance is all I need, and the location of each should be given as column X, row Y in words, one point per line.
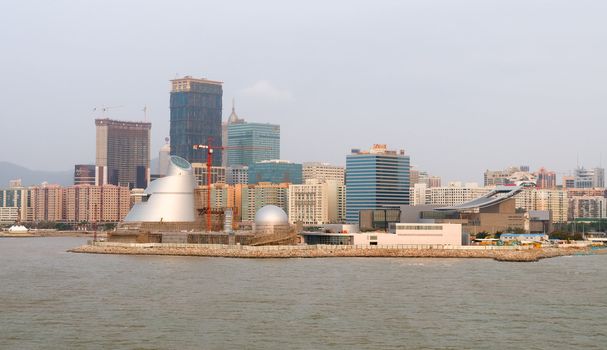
column 122, row 153
column 545, row 179
column 276, row 172
column 324, row 172
column 593, row 207
column 86, row 203
column 13, row 204
column 589, row 178
column 84, row 174
column 195, row 118
column 315, row 202
column 232, row 119
column 251, row 142
column 376, row 179
column 46, row 202
column 554, row 201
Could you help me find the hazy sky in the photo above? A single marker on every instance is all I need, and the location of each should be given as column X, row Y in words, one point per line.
column 462, row 86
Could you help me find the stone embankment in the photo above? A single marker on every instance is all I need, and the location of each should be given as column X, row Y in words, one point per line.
column 498, row 253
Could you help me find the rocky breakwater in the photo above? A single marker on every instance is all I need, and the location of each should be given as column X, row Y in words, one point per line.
column 520, row 255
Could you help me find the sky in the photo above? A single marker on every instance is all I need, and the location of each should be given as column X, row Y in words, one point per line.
column 462, row 86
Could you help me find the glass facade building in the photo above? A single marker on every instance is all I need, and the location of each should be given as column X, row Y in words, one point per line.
column 195, row 117
column 254, row 142
column 376, row 179
column 275, row 171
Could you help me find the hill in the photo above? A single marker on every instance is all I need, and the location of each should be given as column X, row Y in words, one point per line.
column 10, row 171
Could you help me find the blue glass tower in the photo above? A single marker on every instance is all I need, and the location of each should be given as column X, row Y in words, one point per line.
column 376, row 179
column 195, row 117
column 275, row 171
column 252, row 142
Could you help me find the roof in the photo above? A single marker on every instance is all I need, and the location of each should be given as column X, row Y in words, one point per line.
column 498, row 195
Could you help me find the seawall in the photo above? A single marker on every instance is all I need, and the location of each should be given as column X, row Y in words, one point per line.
column 521, row 254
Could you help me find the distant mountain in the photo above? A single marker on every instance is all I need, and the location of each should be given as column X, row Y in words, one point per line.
column 10, row 171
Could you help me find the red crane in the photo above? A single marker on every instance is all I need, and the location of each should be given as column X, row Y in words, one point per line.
column 209, row 147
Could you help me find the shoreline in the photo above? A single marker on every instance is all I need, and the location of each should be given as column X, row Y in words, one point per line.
column 36, row 234
column 286, row 252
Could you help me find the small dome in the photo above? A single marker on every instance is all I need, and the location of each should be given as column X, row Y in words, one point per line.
column 271, row 215
column 18, row 228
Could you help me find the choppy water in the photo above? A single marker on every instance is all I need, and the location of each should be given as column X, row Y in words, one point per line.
column 50, row 299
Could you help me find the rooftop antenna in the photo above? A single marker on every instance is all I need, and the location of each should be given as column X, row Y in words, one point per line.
column 145, row 113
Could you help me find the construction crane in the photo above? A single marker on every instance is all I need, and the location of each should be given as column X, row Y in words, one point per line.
column 104, row 109
column 210, row 148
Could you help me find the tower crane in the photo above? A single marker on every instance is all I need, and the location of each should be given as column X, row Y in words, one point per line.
column 209, row 150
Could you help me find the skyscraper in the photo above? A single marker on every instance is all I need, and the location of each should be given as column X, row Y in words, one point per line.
column 376, row 179
column 195, row 117
column 251, row 142
column 122, row 153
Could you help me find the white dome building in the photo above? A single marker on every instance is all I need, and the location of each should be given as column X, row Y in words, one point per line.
column 271, row 215
column 271, row 219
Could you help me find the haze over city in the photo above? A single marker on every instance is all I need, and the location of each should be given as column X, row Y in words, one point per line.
column 461, row 86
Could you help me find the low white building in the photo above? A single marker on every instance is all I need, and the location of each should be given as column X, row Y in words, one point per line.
column 401, row 234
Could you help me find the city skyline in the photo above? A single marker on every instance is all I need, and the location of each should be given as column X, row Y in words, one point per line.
column 538, row 83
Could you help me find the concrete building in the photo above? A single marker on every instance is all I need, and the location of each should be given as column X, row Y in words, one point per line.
column 237, row 175
column 168, row 199
column 46, row 203
column 422, row 177
column 568, row 182
column 545, row 179
column 376, row 179
column 218, row 174
column 276, row 172
column 554, row 201
column 196, row 106
column 315, row 202
column 122, row 153
column 499, row 177
column 589, row 178
column 13, row 204
column 589, row 207
column 89, row 203
column 84, row 174
column 324, row 172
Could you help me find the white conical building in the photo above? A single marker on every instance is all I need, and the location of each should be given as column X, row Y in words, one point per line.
column 168, row 199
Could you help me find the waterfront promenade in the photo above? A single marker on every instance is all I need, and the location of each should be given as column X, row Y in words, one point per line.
column 507, row 253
